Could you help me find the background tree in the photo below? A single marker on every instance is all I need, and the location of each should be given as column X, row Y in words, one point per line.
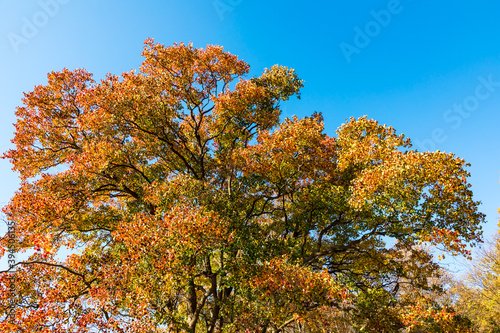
column 477, row 297
column 189, row 206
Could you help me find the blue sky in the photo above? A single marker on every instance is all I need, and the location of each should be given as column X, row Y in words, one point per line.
column 430, row 69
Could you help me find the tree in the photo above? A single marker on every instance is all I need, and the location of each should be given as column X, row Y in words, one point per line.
column 188, row 205
column 478, row 295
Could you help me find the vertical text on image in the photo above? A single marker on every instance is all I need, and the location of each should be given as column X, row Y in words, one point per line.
column 11, row 258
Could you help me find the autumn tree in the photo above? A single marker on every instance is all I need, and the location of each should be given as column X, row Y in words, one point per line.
column 477, row 296
column 187, row 206
column 417, row 309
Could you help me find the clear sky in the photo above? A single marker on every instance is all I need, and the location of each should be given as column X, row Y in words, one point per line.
column 430, row 69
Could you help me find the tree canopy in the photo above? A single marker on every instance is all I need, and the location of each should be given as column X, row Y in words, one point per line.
column 477, row 296
column 188, row 206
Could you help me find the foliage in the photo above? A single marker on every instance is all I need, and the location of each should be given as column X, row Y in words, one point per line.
column 188, row 206
column 478, row 295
